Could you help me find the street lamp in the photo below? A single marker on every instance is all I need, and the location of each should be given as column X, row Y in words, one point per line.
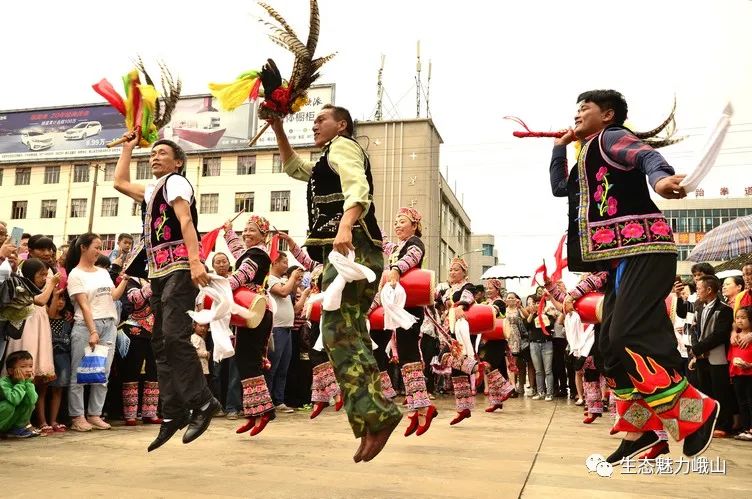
column 472, row 251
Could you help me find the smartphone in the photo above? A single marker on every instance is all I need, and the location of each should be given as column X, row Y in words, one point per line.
column 15, row 236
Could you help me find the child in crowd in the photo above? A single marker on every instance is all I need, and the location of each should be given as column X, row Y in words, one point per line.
column 740, row 369
column 60, row 327
column 17, row 395
column 197, row 339
column 37, row 337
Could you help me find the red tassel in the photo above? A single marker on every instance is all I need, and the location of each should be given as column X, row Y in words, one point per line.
column 539, row 270
column 530, row 133
column 255, row 89
column 105, row 89
column 208, row 242
column 561, row 263
column 541, row 308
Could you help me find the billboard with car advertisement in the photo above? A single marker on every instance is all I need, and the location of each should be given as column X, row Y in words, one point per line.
column 198, row 124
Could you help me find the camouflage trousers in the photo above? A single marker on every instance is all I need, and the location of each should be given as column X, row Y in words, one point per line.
column 349, row 346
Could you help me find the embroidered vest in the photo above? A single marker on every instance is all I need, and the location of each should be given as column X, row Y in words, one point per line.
column 262, row 261
column 326, row 206
column 413, row 241
column 616, row 217
column 165, row 249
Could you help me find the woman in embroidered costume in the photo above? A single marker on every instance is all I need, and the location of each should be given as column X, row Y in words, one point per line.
column 494, row 354
column 252, row 263
column 408, row 254
column 458, row 297
column 324, row 385
column 615, row 227
column 138, row 328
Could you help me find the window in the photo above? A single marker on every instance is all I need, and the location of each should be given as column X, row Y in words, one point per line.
column 487, row 249
column 109, row 207
column 78, row 208
column 49, row 208
column 143, row 170
column 246, row 165
column 136, row 210
column 276, row 164
column 209, row 203
column 315, row 155
column 211, row 167
column 72, row 238
column 243, row 202
column 282, row 243
column 80, row 173
column 280, row 201
column 108, row 241
column 19, row 209
column 109, row 172
column 23, row 176
column 51, row 174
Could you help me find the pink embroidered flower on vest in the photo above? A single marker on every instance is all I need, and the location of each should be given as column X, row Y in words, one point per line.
column 161, row 256
column 633, row 231
column 602, row 172
column 598, row 194
column 660, row 228
column 611, row 208
column 167, row 233
column 180, row 251
column 604, row 236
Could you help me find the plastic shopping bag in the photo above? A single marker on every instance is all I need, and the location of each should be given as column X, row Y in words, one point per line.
column 93, row 367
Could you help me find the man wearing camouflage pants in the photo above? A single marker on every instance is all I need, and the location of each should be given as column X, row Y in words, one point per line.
column 341, row 216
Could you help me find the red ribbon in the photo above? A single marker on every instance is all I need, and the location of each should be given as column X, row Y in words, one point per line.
column 561, row 263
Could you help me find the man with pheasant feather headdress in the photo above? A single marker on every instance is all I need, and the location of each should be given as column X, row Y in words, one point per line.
column 342, row 218
column 615, row 228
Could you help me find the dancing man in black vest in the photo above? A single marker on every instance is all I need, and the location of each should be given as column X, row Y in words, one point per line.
column 171, row 242
column 615, row 227
column 342, row 218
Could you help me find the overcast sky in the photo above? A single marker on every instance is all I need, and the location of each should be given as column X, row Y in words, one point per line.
column 489, row 59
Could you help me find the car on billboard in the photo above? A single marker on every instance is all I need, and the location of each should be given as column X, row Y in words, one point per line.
column 83, row 130
column 36, row 140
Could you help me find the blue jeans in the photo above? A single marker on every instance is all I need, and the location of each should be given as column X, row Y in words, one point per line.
column 79, row 344
column 276, row 378
column 543, row 361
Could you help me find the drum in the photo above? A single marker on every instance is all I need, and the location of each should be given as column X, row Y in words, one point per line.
column 497, row 333
column 377, row 319
column 254, row 302
column 420, row 286
column 481, row 318
column 314, row 312
column 590, row 307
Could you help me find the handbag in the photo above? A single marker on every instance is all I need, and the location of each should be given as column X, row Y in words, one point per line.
column 93, row 367
column 17, row 298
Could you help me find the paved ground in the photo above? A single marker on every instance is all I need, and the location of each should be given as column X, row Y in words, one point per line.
column 531, row 449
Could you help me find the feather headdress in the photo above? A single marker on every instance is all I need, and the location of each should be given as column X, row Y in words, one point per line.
column 280, row 97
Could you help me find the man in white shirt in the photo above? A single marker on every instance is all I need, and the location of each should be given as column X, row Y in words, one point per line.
column 282, row 292
column 175, row 269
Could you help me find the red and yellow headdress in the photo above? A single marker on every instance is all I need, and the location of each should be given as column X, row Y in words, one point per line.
column 260, row 222
column 414, row 216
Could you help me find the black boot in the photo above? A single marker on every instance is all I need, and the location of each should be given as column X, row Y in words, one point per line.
column 200, row 420
column 631, row 448
column 696, row 443
column 167, row 429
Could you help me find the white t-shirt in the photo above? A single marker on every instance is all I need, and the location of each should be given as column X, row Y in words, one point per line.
column 97, row 286
column 177, row 187
column 285, row 314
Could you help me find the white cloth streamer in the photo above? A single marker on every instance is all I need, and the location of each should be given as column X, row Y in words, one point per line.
column 347, row 271
column 395, row 316
column 579, row 336
column 709, row 151
column 218, row 317
column 462, row 334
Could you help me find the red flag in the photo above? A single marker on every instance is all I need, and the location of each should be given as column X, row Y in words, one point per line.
column 208, row 242
column 541, row 309
column 274, row 248
column 561, row 263
column 539, row 270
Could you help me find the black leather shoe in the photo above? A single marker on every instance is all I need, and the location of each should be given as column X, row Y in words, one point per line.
column 631, row 448
column 696, row 443
column 200, row 421
column 167, row 430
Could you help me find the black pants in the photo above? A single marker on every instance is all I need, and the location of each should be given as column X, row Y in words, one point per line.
column 430, row 348
column 635, row 318
column 715, row 382
column 182, row 385
column 560, row 369
column 408, row 343
column 495, row 353
column 139, row 352
column 381, row 338
column 250, row 347
column 743, row 390
column 299, row 375
column 571, row 376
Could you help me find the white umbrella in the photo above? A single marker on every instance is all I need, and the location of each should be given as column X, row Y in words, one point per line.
column 501, row 272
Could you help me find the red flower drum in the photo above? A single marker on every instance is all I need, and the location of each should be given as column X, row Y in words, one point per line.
column 420, row 287
column 497, row 333
column 255, row 303
column 377, row 319
column 590, row 308
column 481, row 318
column 314, row 312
